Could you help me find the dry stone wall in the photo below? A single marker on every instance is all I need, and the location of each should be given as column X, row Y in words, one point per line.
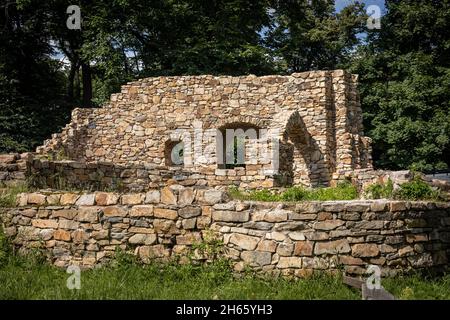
column 317, row 113
column 13, row 167
column 280, row 238
column 137, row 178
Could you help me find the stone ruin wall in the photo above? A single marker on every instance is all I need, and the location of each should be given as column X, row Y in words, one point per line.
column 13, row 168
column 279, row 238
column 318, row 114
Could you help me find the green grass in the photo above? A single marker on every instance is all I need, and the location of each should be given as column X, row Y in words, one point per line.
column 22, row 279
column 417, row 190
column 419, row 287
column 344, row 191
column 381, row 190
column 30, row 278
column 414, row 190
column 8, row 195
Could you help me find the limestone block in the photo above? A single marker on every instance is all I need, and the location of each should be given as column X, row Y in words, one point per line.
column 230, row 216
column 36, row 198
column 258, row 258
column 152, row 196
column 289, row 262
column 243, row 241
column 86, row 200
column 332, row 247
column 106, row 198
column 362, row 250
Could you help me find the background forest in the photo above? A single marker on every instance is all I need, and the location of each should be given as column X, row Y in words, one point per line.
column 47, row 69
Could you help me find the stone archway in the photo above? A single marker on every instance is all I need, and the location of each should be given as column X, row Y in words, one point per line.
column 256, row 122
column 301, row 160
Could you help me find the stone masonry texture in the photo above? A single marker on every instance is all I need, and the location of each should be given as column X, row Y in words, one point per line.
column 279, row 238
column 317, row 114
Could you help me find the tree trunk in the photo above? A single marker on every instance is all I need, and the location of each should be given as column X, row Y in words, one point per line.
column 87, row 84
column 125, row 62
column 70, row 86
column 77, row 85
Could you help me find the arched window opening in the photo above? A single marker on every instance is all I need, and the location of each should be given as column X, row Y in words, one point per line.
column 174, row 153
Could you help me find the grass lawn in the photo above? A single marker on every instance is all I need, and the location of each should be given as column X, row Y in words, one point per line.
column 25, row 278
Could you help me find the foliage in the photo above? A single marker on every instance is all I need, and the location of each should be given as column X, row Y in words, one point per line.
column 5, row 248
column 32, row 104
column 8, row 195
column 419, row 286
column 343, row 191
column 311, row 35
column 381, row 190
column 210, row 248
column 405, row 86
column 404, row 67
column 123, row 259
column 294, row 194
column 416, row 190
column 23, row 277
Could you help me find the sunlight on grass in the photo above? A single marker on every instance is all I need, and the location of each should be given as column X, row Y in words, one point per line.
column 343, row 191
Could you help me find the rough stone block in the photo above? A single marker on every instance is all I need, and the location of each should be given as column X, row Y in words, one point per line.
column 44, row 224
column 80, row 236
column 362, row 250
column 189, row 224
column 243, row 241
column 168, row 196
column 328, row 224
column 349, row 260
column 36, row 198
column 395, row 206
column 332, row 247
column 86, row 200
column 213, row 196
column 230, row 216
column 189, row 212
column 165, row 213
column 88, row 214
column 53, row 199
column 68, row 224
column 186, row 197
column 152, row 196
column 115, row 211
column 147, row 239
column 308, row 207
column 68, row 198
column 155, row 251
column 30, row 213
column 132, row 199
column 379, row 205
column 285, row 249
column 61, row 235
column 289, row 262
column 258, row 258
column 65, row 213
column 303, row 248
column 189, row 238
column 297, row 236
column 106, row 198
column 141, row 211
column 276, row 215
column 267, row 245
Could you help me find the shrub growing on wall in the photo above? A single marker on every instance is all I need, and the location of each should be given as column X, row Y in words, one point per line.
column 416, row 190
